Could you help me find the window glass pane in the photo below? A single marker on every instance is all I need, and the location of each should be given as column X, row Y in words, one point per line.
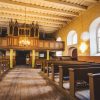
column 98, row 44
column 99, row 50
column 98, row 32
column 75, row 39
column 58, row 53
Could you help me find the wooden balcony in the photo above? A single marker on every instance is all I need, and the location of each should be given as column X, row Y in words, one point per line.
column 12, row 42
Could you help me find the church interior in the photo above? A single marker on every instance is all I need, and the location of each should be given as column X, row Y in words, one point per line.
column 49, row 49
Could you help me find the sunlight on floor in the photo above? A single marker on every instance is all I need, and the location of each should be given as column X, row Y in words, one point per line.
column 26, row 84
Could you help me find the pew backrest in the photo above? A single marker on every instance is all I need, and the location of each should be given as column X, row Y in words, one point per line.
column 80, row 74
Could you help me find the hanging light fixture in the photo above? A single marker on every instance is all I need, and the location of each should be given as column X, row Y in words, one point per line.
column 24, row 41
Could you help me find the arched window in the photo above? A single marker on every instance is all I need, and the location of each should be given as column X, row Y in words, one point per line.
column 59, row 53
column 98, row 38
column 72, row 38
column 94, row 31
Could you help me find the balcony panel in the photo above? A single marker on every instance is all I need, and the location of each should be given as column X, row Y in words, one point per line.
column 35, row 43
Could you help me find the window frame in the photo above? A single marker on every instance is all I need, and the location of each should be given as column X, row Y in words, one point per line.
column 97, row 39
column 70, row 38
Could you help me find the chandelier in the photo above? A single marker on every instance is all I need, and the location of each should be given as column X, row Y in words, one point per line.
column 24, row 40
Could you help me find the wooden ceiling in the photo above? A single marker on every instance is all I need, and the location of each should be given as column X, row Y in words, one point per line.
column 51, row 15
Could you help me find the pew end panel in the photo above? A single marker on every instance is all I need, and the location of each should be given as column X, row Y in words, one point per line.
column 94, row 85
column 79, row 80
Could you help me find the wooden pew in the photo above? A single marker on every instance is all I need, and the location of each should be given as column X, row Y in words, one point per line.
column 80, row 76
column 38, row 63
column 4, row 66
column 53, row 66
column 44, row 66
column 1, row 67
column 41, row 63
column 47, row 63
column 94, row 86
column 62, row 58
column 67, row 64
column 64, row 72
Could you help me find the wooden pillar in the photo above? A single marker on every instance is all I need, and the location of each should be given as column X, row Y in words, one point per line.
column 8, row 32
column 42, row 62
column 61, row 76
column 33, row 58
column 37, row 54
column 47, row 69
column 91, row 86
column 48, row 55
column 44, row 66
column 11, row 58
column 38, row 32
column 72, row 82
column 52, row 71
column 62, row 53
column 34, row 31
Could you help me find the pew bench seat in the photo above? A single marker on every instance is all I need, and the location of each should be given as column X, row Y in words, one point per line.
column 56, row 78
column 66, row 85
column 83, row 94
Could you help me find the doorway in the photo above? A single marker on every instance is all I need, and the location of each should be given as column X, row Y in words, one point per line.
column 72, row 51
column 21, row 57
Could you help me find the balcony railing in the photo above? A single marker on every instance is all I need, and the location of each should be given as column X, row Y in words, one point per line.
column 13, row 42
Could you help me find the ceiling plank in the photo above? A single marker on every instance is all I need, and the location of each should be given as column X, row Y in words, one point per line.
column 32, row 16
column 19, row 17
column 67, row 4
column 48, row 16
column 62, row 12
column 92, row 1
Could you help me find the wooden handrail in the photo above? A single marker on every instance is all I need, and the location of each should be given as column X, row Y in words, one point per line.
column 13, row 42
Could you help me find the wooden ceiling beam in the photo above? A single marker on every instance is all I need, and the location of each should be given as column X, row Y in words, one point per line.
column 32, row 16
column 46, row 9
column 16, row 17
column 68, row 4
column 3, row 9
column 92, row 1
